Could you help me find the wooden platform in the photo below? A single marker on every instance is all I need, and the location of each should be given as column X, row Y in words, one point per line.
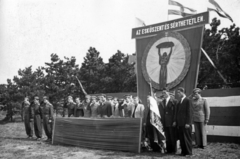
column 119, row 134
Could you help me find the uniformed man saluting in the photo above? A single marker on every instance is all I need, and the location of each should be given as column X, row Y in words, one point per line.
column 47, row 117
column 27, row 114
column 37, row 113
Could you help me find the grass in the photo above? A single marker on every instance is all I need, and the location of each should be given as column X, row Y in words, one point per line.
column 14, row 145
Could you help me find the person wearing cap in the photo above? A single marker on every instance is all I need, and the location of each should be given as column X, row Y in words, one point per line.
column 127, row 106
column 138, row 109
column 120, row 107
column 93, row 106
column 47, row 118
column 86, row 106
column 104, row 110
column 37, row 113
column 78, row 109
column 70, row 106
column 201, row 115
column 27, row 122
column 167, row 109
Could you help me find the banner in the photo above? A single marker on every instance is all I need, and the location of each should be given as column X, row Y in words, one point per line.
column 119, row 134
column 169, row 56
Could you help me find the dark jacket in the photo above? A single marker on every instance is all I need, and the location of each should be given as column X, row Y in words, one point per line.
column 184, row 112
column 168, row 112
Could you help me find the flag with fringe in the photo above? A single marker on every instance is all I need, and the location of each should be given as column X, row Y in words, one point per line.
column 155, row 117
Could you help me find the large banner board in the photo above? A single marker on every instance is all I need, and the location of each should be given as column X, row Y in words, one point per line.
column 168, row 54
column 119, row 134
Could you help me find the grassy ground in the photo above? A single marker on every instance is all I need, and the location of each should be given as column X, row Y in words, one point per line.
column 14, row 145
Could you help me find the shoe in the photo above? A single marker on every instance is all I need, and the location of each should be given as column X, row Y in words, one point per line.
column 195, row 146
column 39, row 139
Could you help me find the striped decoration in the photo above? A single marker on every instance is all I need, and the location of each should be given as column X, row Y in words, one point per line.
column 121, row 134
column 224, row 123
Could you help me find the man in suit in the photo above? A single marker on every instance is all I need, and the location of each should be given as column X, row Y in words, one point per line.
column 167, row 110
column 105, row 108
column 184, row 122
column 138, row 109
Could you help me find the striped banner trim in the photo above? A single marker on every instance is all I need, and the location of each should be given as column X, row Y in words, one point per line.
column 231, row 101
column 214, row 130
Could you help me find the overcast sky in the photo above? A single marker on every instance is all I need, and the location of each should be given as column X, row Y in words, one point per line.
column 31, row 30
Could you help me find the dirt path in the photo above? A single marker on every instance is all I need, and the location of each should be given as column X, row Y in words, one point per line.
column 13, row 145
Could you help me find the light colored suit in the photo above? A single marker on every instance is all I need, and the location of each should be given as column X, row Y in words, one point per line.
column 139, row 112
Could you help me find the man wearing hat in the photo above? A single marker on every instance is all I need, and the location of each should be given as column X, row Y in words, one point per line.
column 47, row 118
column 201, row 115
column 37, row 113
column 93, row 106
column 105, row 108
column 70, row 106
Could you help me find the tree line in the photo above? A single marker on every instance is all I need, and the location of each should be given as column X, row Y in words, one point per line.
column 57, row 78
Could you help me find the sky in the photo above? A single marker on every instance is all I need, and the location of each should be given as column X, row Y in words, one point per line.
column 30, row 31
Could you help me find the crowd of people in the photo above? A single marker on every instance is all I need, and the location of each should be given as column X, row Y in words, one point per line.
column 176, row 117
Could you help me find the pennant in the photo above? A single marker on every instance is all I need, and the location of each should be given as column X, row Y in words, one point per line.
column 219, row 10
column 177, row 12
column 139, row 22
column 181, row 11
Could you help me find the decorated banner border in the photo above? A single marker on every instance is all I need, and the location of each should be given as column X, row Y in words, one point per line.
column 182, row 23
column 184, row 72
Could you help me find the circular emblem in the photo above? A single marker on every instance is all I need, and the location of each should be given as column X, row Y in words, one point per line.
column 166, row 60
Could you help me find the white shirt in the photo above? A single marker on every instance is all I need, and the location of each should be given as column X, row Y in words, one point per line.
column 167, row 100
column 182, row 99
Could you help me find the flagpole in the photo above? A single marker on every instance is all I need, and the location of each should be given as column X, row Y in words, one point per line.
column 209, row 59
column 85, row 93
column 150, row 85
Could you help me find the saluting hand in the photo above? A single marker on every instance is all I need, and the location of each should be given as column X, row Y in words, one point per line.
column 187, row 126
column 174, row 124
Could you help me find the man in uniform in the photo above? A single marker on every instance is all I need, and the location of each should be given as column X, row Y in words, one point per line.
column 37, row 113
column 184, row 122
column 167, row 110
column 47, row 118
column 26, row 109
column 105, row 108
